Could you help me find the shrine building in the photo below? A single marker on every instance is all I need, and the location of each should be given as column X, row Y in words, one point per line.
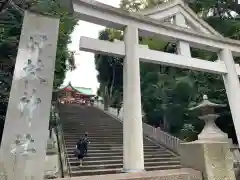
column 69, row 94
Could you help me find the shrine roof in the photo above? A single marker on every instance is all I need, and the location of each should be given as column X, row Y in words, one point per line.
column 81, row 90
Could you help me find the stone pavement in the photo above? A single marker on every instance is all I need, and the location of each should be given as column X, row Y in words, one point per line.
column 174, row 174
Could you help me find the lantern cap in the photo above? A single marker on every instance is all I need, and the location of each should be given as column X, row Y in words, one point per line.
column 207, row 104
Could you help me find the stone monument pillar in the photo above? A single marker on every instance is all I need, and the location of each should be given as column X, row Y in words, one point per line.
column 210, row 154
column 24, row 140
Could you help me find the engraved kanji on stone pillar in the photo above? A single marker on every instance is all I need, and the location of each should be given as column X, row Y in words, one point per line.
column 26, row 125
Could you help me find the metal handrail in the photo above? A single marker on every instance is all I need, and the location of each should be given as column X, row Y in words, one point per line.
column 59, row 152
column 58, row 140
column 62, row 147
column 64, row 152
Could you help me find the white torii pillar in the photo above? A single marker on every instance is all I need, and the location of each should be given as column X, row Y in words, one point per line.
column 183, row 48
column 232, row 86
column 133, row 157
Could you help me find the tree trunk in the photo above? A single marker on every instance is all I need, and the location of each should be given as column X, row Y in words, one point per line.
column 118, row 111
column 50, row 133
column 106, row 102
column 112, row 83
column 165, row 123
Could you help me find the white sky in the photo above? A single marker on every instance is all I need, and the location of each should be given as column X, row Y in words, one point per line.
column 85, row 74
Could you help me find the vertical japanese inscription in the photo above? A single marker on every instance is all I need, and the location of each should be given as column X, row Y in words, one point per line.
column 23, row 144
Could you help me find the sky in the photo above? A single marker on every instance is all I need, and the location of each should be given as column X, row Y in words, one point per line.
column 85, row 74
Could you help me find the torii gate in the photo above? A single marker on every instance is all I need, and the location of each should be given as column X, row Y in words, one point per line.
column 188, row 31
column 24, row 144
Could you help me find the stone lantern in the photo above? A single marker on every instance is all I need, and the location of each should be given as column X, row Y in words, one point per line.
column 210, row 131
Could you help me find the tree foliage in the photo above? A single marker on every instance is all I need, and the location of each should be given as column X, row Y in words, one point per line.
column 110, row 72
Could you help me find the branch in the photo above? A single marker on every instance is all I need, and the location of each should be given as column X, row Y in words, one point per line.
column 235, row 7
column 113, row 80
column 3, row 4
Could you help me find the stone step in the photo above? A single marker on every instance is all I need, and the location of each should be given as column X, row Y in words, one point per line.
column 109, row 158
column 99, row 136
column 90, row 148
column 104, row 145
column 120, row 165
column 79, row 127
column 93, row 131
column 74, row 162
column 118, row 144
column 99, row 156
column 89, row 124
column 76, row 128
column 91, row 134
column 75, row 135
column 104, row 141
column 118, row 170
column 99, row 140
column 96, row 136
column 114, row 147
column 100, row 122
column 105, row 152
column 95, row 139
column 109, row 153
column 116, row 150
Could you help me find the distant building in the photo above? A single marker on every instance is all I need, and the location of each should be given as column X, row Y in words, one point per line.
column 69, row 94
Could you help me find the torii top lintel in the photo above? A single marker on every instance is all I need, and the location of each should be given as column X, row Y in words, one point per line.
column 166, row 10
column 105, row 15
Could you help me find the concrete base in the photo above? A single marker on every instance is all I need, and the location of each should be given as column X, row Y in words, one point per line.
column 214, row 159
column 175, row 174
column 51, row 166
column 133, row 170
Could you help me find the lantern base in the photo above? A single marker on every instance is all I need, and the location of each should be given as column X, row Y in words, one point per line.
column 211, row 131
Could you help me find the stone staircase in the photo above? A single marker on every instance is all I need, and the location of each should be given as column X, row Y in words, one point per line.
column 105, row 153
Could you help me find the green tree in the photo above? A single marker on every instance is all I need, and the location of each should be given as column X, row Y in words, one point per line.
column 110, row 71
